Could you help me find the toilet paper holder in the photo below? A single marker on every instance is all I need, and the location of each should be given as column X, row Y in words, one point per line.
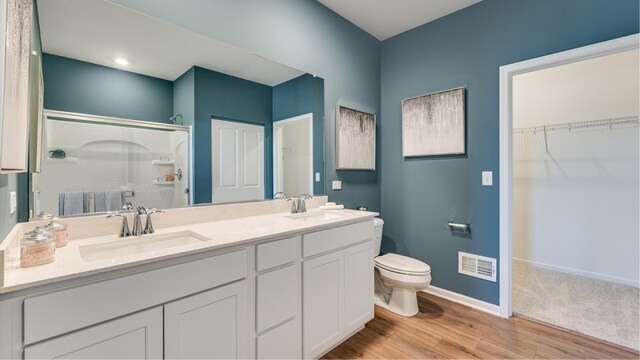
column 459, row 226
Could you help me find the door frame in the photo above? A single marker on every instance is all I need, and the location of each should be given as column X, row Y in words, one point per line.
column 507, row 72
column 277, row 150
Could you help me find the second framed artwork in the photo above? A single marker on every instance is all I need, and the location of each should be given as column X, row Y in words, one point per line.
column 355, row 139
column 434, row 124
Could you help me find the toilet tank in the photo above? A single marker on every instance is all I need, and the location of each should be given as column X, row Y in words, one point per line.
column 377, row 226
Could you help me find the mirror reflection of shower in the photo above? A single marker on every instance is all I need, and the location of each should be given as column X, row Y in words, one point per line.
column 293, row 155
column 98, row 164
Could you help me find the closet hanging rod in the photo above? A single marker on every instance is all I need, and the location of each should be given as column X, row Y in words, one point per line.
column 580, row 125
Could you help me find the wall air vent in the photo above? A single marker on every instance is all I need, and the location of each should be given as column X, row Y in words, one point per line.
column 477, row 266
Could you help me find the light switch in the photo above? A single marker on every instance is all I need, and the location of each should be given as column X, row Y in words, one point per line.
column 317, row 177
column 336, row 185
column 13, row 202
column 487, row 178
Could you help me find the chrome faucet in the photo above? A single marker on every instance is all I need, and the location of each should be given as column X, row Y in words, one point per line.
column 137, row 222
column 148, row 229
column 280, row 195
column 124, row 228
column 299, row 205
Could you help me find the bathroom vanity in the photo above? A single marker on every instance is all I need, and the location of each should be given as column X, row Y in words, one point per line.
column 270, row 285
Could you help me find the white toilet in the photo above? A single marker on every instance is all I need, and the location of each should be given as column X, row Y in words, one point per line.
column 398, row 278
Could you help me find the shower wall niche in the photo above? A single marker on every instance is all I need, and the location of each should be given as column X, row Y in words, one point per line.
column 100, row 166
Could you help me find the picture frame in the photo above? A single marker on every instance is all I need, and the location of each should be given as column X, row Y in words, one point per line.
column 434, row 124
column 355, row 139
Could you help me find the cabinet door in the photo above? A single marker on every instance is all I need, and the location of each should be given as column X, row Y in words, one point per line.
column 211, row 325
column 137, row 336
column 358, row 277
column 322, row 303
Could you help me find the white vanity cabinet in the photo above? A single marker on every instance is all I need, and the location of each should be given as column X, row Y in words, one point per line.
column 209, row 325
column 285, row 298
column 337, row 285
column 278, row 299
column 192, row 309
column 137, row 336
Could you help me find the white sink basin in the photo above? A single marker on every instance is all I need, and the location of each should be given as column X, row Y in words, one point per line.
column 138, row 245
column 315, row 216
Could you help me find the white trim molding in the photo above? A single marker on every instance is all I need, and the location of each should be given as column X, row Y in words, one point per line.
column 463, row 299
column 572, row 271
column 507, row 72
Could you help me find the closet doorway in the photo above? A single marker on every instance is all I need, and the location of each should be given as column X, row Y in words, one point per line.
column 571, row 191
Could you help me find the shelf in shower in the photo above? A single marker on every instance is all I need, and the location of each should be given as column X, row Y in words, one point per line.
column 160, row 162
column 67, row 159
column 163, row 182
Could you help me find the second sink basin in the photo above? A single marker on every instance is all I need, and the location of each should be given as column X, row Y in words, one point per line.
column 138, row 244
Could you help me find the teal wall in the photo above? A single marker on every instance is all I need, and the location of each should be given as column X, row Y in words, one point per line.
column 82, row 87
column 226, row 97
column 184, row 96
column 299, row 96
column 466, row 49
column 305, row 35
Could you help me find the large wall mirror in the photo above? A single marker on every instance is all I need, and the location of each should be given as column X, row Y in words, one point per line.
column 141, row 112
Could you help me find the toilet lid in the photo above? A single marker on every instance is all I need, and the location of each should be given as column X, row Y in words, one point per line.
column 402, row 264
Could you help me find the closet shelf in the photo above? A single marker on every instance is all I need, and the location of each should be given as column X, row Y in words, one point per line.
column 631, row 120
column 160, row 162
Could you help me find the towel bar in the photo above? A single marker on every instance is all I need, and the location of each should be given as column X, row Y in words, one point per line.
column 459, row 227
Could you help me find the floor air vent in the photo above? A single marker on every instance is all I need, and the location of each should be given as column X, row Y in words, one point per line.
column 477, row 266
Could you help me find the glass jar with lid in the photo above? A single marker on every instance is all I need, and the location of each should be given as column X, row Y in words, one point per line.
column 59, row 231
column 37, row 247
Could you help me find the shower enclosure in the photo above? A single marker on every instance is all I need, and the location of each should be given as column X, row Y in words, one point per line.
column 96, row 164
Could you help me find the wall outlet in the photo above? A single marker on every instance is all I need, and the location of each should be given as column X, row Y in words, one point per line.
column 317, row 177
column 487, row 178
column 336, row 185
column 13, row 202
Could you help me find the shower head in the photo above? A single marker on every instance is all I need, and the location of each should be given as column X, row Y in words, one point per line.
column 175, row 117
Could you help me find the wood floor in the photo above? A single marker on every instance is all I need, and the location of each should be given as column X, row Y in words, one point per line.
column 443, row 329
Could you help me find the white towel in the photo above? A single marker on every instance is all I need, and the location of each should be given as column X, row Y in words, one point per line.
column 331, row 207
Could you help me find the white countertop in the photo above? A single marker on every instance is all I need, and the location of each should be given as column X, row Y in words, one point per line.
column 223, row 233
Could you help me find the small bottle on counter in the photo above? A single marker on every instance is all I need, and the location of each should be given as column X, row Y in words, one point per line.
column 37, row 247
column 60, row 233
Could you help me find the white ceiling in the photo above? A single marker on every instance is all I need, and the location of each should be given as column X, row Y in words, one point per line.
column 98, row 31
column 386, row 18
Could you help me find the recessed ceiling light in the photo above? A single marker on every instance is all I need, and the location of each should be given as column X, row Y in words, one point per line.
column 122, row 61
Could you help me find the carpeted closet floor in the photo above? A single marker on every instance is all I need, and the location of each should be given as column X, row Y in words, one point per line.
column 601, row 309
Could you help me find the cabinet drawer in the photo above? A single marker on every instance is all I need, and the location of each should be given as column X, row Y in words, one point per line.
column 137, row 336
column 335, row 238
column 277, row 297
column 277, row 253
column 279, row 343
column 63, row 311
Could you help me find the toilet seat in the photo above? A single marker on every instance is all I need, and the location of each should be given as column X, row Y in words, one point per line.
column 402, row 265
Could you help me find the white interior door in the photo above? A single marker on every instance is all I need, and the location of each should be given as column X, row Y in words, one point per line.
column 238, row 161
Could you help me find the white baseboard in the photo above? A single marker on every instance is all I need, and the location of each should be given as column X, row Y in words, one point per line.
column 592, row 275
column 463, row 299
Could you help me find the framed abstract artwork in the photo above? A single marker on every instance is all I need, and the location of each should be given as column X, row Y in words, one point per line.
column 434, row 124
column 355, row 139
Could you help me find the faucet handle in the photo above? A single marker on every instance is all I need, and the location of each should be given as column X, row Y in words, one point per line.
column 124, row 229
column 148, row 228
column 306, row 196
column 280, row 195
